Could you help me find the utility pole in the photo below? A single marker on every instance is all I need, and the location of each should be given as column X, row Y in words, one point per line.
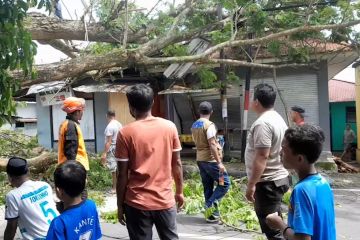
column 224, row 108
column 246, row 102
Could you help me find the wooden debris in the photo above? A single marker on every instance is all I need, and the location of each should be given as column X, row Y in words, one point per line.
column 344, row 167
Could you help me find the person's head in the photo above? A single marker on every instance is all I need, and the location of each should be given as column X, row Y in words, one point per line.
column 302, row 146
column 348, row 127
column 74, row 107
column 17, row 171
column 264, row 97
column 140, row 98
column 205, row 108
column 297, row 113
column 70, row 179
column 110, row 115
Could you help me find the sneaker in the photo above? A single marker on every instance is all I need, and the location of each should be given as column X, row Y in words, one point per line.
column 213, row 219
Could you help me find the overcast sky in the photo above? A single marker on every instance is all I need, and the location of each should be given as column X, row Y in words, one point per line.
column 73, row 9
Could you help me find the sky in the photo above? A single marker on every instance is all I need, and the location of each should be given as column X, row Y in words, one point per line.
column 73, row 9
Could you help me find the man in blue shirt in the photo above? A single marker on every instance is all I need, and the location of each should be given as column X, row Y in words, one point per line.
column 80, row 219
column 311, row 210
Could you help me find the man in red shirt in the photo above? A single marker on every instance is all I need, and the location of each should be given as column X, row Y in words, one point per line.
column 298, row 115
column 148, row 156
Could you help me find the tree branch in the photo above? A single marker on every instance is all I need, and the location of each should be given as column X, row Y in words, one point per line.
column 42, row 27
column 61, row 46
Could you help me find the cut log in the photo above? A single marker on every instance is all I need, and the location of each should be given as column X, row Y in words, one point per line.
column 345, row 167
column 37, row 164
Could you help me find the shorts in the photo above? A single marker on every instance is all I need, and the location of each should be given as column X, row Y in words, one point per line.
column 111, row 160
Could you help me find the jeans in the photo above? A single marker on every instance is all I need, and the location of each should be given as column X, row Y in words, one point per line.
column 268, row 196
column 209, row 172
column 140, row 223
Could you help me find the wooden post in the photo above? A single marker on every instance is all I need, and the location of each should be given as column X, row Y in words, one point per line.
column 357, row 101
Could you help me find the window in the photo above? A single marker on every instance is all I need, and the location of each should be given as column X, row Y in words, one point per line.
column 19, row 125
column 350, row 114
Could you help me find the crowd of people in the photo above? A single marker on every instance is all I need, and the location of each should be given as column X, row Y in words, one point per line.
column 144, row 160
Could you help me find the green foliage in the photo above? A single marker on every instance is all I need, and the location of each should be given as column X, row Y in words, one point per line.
column 98, row 197
column 207, row 77
column 175, row 50
column 4, row 187
column 234, row 208
column 16, row 50
column 110, row 217
column 256, row 19
column 99, row 178
column 15, row 143
column 101, row 48
column 286, row 198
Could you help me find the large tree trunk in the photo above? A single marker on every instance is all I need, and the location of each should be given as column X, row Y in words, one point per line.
column 42, row 27
column 37, row 164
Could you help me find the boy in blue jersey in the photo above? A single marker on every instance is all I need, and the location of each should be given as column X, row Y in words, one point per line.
column 80, row 219
column 311, row 210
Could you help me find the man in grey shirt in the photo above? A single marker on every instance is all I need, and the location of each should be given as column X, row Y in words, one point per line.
column 108, row 158
column 267, row 177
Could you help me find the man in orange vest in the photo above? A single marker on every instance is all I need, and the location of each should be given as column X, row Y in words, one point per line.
column 71, row 145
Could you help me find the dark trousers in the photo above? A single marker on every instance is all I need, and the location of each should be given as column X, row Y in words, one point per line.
column 268, row 196
column 209, row 172
column 139, row 223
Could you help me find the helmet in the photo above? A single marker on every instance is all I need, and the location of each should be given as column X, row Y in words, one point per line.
column 72, row 104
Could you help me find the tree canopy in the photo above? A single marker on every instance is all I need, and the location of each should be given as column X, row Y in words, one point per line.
column 123, row 35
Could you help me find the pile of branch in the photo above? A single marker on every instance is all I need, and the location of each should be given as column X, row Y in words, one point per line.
column 344, row 167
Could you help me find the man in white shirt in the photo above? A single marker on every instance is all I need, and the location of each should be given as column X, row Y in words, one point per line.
column 267, row 177
column 108, row 158
column 30, row 205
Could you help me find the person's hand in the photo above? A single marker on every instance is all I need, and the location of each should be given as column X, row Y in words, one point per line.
column 274, row 221
column 179, row 198
column 221, row 168
column 103, row 160
column 250, row 191
column 121, row 216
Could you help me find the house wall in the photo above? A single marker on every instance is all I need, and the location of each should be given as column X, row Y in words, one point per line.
column 118, row 103
column 338, row 123
column 44, row 127
column 101, row 101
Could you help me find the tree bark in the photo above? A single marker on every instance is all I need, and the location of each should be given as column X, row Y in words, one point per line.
column 37, row 164
column 42, row 27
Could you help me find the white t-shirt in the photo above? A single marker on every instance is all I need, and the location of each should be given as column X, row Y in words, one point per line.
column 33, row 204
column 211, row 131
column 267, row 132
column 112, row 129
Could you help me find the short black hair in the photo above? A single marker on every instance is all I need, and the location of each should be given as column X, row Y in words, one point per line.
column 70, row 176
column 306, row 140
column 140, row 97
column 110, row 113
column 265, row 94
column 205, row 108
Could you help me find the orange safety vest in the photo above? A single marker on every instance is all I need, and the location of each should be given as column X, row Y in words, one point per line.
column 81, row 155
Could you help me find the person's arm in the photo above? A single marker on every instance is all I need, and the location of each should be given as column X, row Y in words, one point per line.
column 121, row 184
column 274, row 221
column 258, row 167
column 71, row 142
column 106, row 149
column 10, row 229
column 177, row 172
column 262, row 136
column 122, row 158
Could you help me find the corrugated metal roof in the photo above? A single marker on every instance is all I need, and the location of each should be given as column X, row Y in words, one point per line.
column 341, row 91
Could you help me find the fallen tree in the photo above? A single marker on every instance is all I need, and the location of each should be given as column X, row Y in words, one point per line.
column 128, row 37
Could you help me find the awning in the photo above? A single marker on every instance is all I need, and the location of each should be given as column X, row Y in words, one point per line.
column 44, row 87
